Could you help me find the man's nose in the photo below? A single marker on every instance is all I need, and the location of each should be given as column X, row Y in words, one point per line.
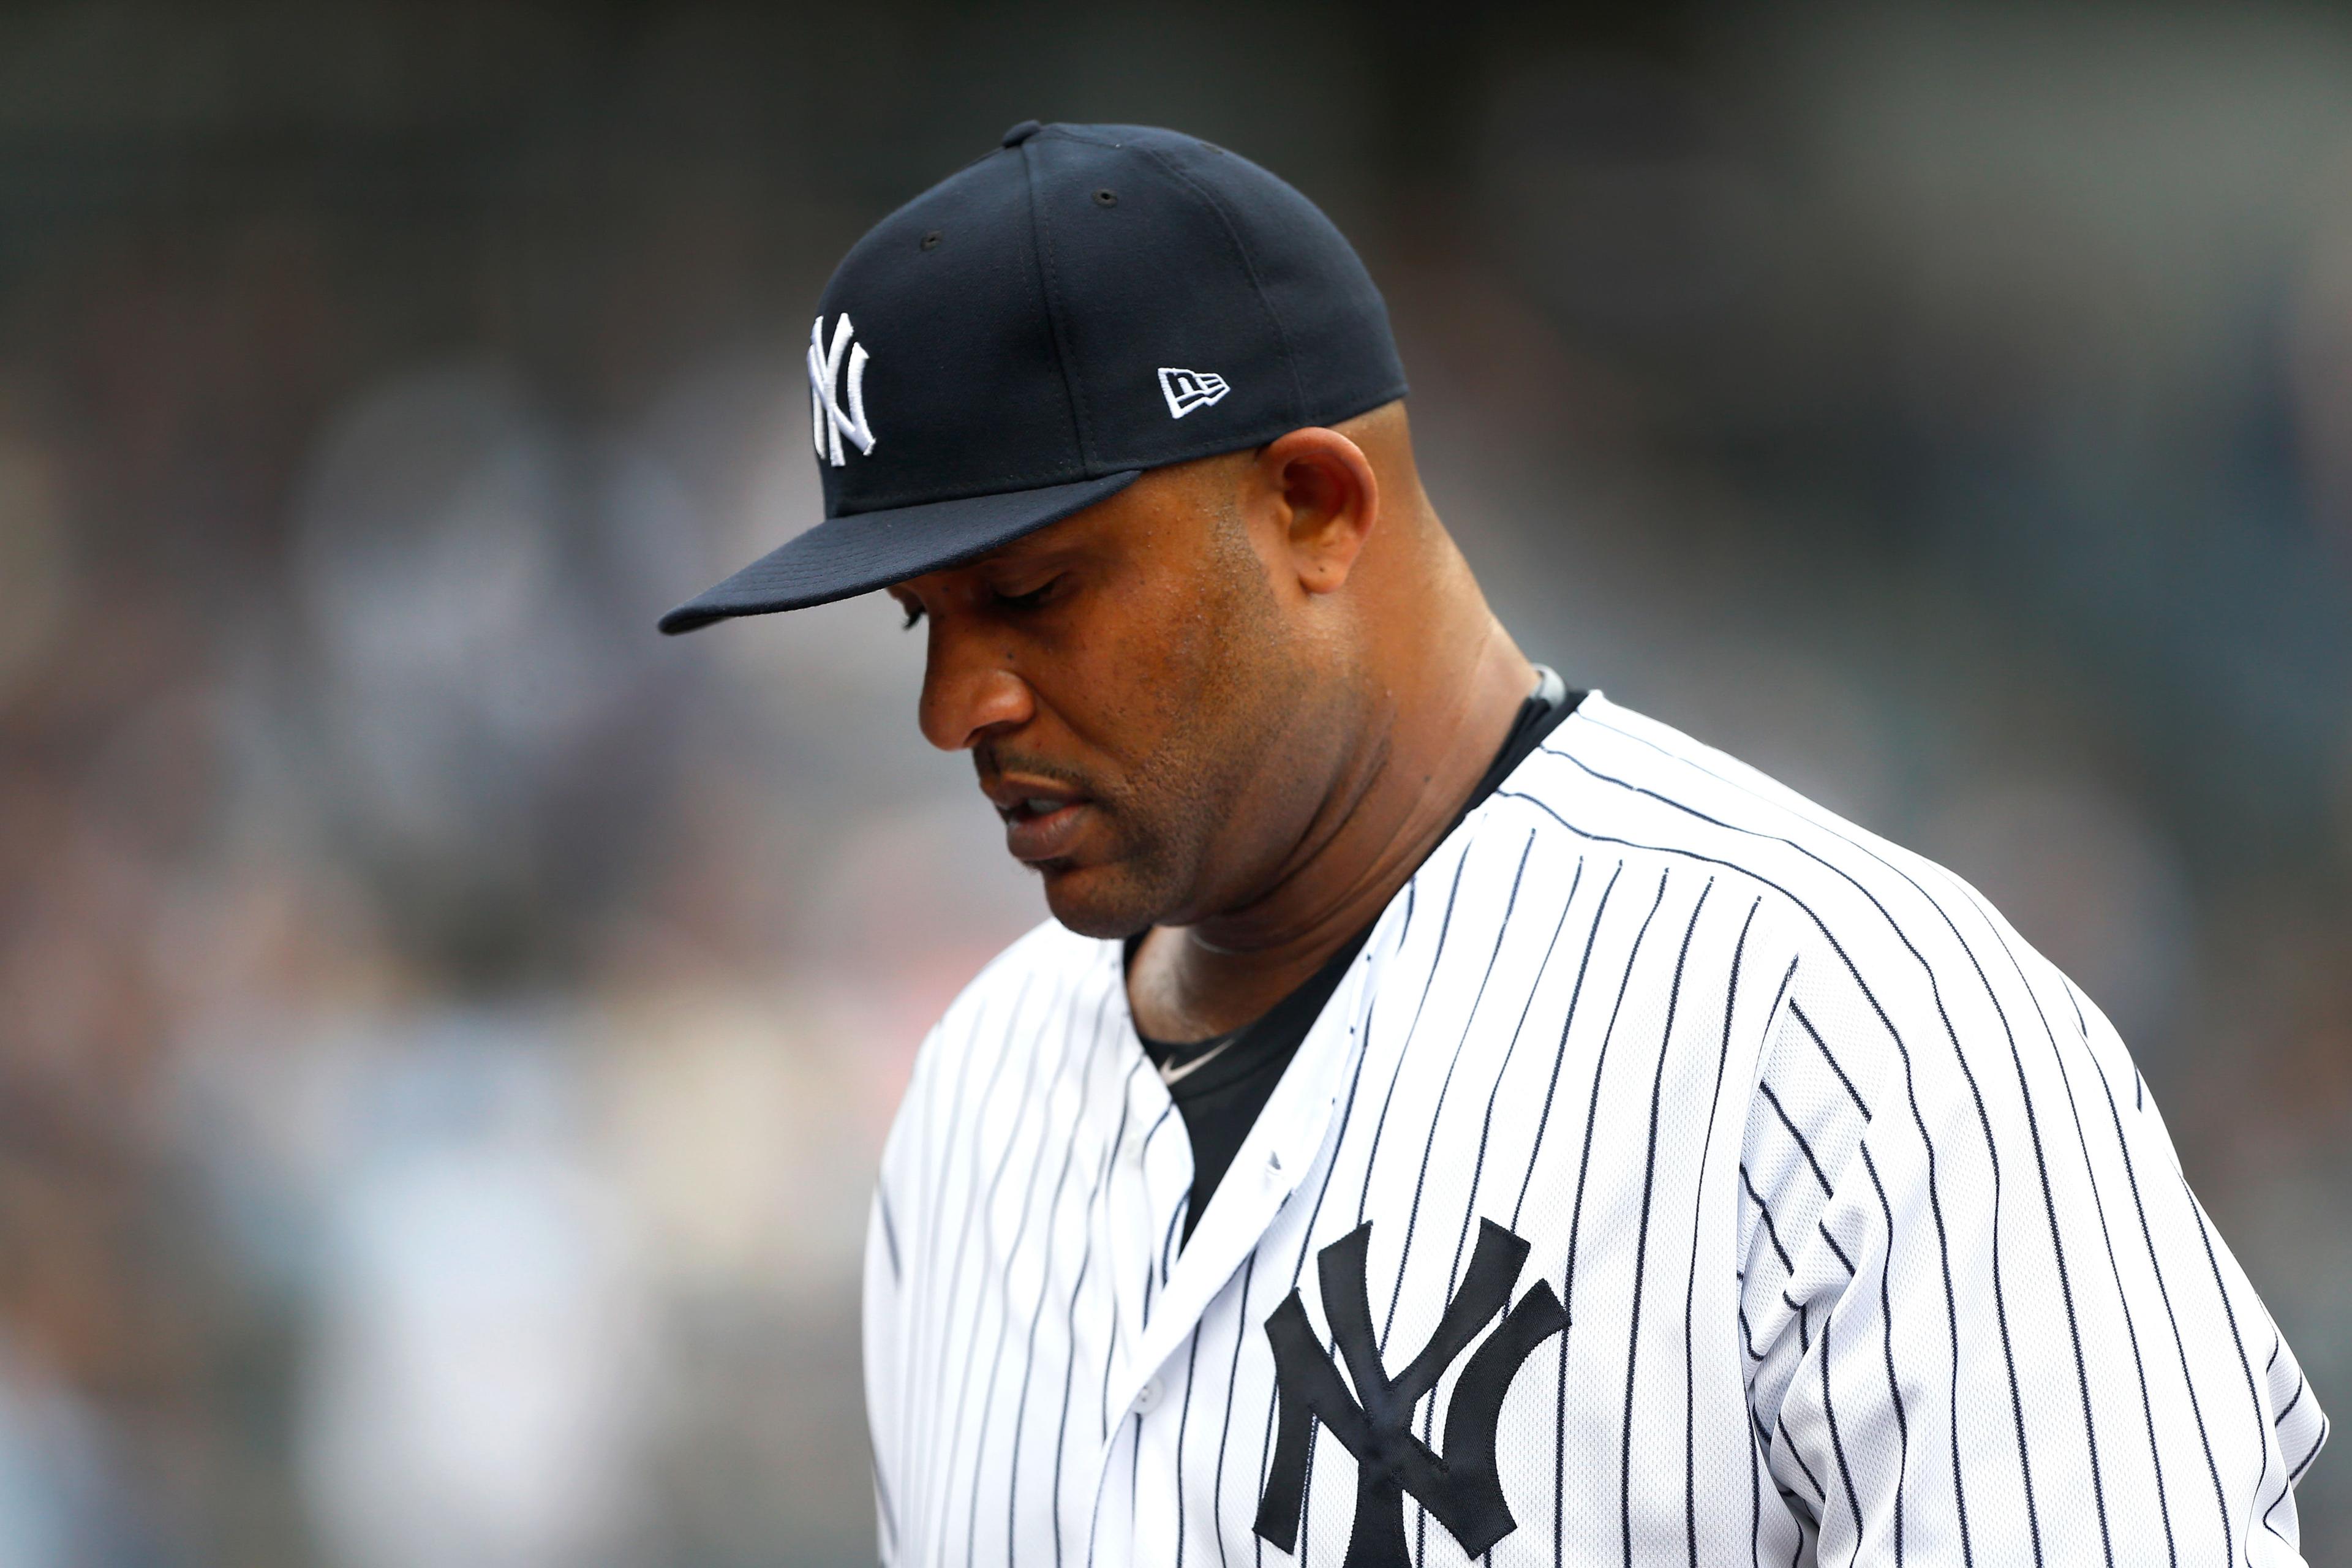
column 969, row 692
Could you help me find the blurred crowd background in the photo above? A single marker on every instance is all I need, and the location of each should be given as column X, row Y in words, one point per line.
column 445, row 1030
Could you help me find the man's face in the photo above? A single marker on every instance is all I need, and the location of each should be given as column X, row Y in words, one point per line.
column 1137, row 699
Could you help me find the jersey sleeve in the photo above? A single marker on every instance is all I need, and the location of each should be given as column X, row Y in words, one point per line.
column 890, row 1236
column 1983, row 1317
column 882, row 1367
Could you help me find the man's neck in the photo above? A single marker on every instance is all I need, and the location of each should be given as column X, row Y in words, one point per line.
column 1391, row 806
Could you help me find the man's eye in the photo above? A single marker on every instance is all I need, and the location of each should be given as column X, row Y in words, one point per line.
column 1030, row 600
column 914, row 613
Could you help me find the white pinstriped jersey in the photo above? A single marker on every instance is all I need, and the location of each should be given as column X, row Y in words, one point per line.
column 1872, row 1246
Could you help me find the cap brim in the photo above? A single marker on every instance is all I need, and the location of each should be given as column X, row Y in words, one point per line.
column 845, row 556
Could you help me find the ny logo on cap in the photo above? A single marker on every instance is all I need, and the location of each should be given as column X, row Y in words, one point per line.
column 1459, row 1487
column 828, row 424
column 1189, row 389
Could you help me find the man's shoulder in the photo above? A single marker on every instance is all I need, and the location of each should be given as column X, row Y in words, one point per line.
column 1611, row 781
column 1023, row 1001
column 1618, row 768
column 1043, row 968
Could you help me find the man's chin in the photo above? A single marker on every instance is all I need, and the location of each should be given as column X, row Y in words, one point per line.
column 1105, row 901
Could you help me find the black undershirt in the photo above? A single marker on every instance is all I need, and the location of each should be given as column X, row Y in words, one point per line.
column 1219, row 1099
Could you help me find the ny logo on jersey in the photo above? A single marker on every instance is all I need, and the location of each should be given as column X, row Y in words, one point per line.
column 1460, row 1487
column 828, row 423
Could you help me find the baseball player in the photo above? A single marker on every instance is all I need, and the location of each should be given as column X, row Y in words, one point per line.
column 1450, row 1117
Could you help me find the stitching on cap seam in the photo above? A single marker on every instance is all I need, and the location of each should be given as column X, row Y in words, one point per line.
column 1073, row 393
column 1217, row 445
column 867, row 561
column 1257, row 286
column 1068, row 134
column 1014, row 485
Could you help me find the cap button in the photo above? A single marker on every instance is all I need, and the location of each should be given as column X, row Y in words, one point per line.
column 1022, row 132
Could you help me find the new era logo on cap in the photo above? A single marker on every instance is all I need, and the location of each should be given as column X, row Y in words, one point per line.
column 1186, row 390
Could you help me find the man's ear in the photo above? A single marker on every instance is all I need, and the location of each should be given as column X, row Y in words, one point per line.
column 1322, row 491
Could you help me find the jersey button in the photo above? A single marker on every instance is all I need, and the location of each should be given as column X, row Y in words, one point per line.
column 1147, row 1398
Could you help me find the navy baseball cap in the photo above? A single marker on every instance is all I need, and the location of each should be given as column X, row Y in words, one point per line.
column 1029, row 335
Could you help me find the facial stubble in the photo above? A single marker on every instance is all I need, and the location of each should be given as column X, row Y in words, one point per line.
column 1217, row 703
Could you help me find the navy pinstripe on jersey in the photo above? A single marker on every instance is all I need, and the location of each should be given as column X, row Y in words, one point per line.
column 1871, row 1248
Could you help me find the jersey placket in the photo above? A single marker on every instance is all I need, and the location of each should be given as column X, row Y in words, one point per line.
column 1159, row 1316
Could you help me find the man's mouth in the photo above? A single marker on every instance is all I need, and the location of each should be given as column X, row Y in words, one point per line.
column 1041, row 820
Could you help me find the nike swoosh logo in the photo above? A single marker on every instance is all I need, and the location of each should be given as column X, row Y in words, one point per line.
column 1169, row 1075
